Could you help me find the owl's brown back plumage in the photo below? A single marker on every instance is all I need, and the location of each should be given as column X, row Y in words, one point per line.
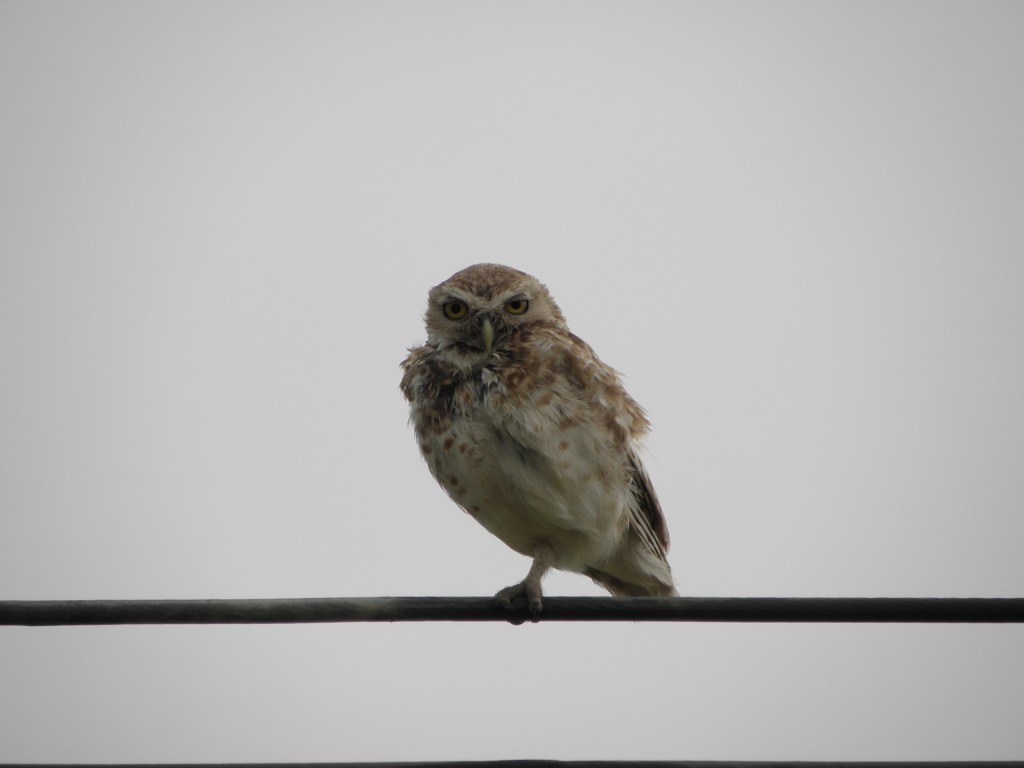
column 533, row 435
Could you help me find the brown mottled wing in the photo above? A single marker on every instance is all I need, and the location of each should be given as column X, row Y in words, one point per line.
column 647, row 518
column 612, row 402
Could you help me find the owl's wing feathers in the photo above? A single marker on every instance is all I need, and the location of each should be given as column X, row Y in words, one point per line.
column 626, row 422
column 647, row 517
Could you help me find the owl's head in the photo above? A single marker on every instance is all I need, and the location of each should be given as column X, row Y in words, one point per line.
column 477, row 310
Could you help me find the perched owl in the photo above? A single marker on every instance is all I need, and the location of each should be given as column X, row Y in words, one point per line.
column 535, row 437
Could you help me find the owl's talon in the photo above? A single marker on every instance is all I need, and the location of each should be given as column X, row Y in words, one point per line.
column 536, row 606
column 506, row 596
column 510, row 598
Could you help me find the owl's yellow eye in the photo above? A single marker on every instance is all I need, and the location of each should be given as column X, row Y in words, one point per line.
column 517, row 306
column 455, row 310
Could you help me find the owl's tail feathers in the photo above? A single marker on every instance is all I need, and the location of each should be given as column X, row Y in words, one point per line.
column 638, row 568
column 621, row 588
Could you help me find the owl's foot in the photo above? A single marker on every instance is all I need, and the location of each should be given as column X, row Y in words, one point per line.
column 525, row 588
column 530, row 586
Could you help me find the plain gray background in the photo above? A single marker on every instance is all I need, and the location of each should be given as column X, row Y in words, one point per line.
column 796, row 228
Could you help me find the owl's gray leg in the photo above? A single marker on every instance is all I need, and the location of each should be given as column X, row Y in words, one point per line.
column 530, row 586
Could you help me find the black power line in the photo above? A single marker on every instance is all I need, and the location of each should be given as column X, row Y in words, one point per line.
column 562, row 764
column 388, row 609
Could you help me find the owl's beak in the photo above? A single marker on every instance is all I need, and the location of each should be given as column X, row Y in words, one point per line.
column 487, row 333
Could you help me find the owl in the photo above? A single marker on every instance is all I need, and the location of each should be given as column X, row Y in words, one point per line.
column 529, row 432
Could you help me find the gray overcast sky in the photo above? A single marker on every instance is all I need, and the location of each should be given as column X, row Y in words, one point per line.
column 796, row 228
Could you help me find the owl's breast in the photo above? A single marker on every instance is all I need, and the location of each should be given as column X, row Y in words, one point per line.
column 523, row 463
